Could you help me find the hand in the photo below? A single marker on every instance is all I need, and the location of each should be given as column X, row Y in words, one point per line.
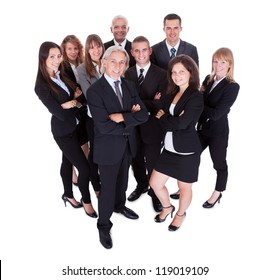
column 160, row 114
column 135, row 108
column 69, row 104
column 77, row 93
column 157, row 96
column 117, row 117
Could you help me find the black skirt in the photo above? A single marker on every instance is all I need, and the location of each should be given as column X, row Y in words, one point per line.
column 181, row 167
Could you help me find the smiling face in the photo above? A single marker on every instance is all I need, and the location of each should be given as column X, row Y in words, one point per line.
column 172, row 30
column 119, row 29
column 180, row 76
column 220, row 67
column 141, row 53
column 95, row 51
column 72, row 52
column 115, row 64
column 53, row 61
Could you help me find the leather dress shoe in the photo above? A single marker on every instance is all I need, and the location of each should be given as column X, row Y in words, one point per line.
column 105, row 239
column 136, row 194
column 175, row 195
column 157, row 205
column 128, row 213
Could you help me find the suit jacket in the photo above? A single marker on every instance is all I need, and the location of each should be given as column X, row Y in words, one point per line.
column 63, row 121
column 155, row 81
column 84, row 79
column 185, row 136
column 110, row 138
column 161, row 56
column 128, row 47
column 68, row 72
column 217, row 105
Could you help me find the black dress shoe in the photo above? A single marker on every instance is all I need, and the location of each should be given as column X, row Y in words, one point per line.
column 136, row 194
column 157, row 205
column 105, row 239
column 211, row 205
column 175, row 195
column 128, row 213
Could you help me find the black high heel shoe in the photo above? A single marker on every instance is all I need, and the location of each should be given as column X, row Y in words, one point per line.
column 174, row 228
column 174, row 195
column 158, row 219
column 65, row 199
column 92, row 215
column 210, row 205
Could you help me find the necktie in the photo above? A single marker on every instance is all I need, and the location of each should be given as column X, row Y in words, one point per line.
column 118, row 93
column 141, row 76
column 173, row 51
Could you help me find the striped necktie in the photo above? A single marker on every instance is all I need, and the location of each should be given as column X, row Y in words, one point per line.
column 141, row 76
column 173, row 52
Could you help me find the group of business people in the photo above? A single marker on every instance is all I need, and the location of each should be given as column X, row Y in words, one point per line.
column 140, row 107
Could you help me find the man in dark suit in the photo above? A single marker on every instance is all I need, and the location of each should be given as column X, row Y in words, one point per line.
column 172, row 45
column 119, row 28
column 116, row 109
column 151, row 84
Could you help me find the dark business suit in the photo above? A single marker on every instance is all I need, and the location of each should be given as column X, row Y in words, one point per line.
column 150, row 133
column 128, row 47
column 114, row 143
column 185, row 136
column 213, row 125
column 82, row 132
column 160, row 54
column 64, row 130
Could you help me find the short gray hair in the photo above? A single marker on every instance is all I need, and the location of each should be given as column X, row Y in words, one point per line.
column 112, row 49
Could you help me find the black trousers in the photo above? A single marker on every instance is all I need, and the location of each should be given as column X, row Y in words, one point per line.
column 72, row 154
column 218, row 152
column 95, row 178
column 143, row 164
column 114, row 181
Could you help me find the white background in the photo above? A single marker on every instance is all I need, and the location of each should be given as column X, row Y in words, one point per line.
column 39, row 236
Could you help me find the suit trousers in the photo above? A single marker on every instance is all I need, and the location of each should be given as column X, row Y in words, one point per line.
column 218, row 151
column 72, row 154
column 144, row 163
column 95, row 178
column 114, row 181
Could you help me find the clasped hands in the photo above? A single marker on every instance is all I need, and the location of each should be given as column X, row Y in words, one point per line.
column 118, row 117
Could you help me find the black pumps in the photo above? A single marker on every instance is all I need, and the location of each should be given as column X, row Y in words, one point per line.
column 210, row 205
column 65, row 199
column 174, row 228
column 158, row 219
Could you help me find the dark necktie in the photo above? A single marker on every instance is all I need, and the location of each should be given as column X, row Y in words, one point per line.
column 173, row 51
column 141, row 76
column 118, row 93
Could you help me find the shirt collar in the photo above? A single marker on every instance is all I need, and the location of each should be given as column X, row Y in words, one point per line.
column 146, row 68
column 122, row 44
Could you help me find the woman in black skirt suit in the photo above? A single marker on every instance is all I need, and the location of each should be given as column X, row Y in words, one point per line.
column 180, row 157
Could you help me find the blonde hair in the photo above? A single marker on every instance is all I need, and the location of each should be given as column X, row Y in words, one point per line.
column 227, row 55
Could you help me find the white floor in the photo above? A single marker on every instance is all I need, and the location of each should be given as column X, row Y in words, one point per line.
column 40, row 237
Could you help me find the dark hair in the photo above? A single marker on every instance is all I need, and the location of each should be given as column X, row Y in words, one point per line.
column 90, row 41
column 140, row 39
column 171, row 17
column 191, row 66
column 42, row 73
